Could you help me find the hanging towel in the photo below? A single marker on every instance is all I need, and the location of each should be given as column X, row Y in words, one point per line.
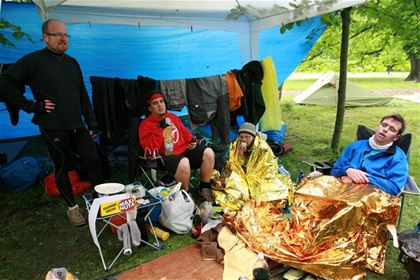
column 271, row 120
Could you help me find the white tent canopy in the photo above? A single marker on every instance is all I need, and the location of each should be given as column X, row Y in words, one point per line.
column 246, row 18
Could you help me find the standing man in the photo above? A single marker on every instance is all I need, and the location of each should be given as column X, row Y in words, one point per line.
column 378, row 160
column 186, row 152
column 61, row 108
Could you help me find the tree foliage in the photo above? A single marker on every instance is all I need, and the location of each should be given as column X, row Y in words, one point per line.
column 382, row 35
column 16, row 32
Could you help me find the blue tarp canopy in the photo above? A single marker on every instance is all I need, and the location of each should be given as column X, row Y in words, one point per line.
column 117, row 42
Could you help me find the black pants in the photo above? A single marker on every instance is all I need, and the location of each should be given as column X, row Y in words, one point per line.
column 60, row 144
column 195, row 156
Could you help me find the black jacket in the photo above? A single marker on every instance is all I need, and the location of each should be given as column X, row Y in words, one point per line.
column 54, row 77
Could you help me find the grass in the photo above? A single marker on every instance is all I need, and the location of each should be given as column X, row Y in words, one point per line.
column 36, row 236
column 368, row 83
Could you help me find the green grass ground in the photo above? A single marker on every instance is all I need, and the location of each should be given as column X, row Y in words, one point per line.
column 36, row 236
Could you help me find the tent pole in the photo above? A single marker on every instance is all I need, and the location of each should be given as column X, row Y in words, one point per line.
column 248, row 43
column 339, row 118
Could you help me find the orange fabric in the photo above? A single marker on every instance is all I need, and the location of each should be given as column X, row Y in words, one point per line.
column 234, row 91
column 78, row 186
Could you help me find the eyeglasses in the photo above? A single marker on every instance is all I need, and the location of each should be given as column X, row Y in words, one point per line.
column 58, row 34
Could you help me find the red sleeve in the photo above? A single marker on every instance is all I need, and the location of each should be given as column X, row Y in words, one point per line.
column 150, row 136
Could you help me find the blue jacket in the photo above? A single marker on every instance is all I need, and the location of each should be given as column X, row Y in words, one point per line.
column 387, row 170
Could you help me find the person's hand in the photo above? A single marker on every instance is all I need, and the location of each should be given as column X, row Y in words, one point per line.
column 357, row 176
column 192, row 145
column 241, row 147
column 346, row 180
column 48, row 106
column 92, row 133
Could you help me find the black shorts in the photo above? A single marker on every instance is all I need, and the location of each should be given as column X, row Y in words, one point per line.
column 194, row 156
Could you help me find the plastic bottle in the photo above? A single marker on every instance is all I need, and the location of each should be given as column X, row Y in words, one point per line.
column 167, row 138
column 261, row 270
column 160, row 233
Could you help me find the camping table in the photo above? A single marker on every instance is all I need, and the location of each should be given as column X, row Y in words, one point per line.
column 93, row 206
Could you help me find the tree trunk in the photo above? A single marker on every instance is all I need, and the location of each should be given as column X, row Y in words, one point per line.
column 342, row 84
column 414, row 70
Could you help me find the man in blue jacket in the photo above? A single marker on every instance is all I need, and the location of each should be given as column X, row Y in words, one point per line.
column 378, row 160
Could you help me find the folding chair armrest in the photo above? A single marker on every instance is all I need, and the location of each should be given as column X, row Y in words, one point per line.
column 411, row 187
column 323, row 167
column 152, row 163
column 153, row 158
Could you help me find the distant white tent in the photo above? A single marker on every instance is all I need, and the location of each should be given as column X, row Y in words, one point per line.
column 412, row 98
column 325, row 92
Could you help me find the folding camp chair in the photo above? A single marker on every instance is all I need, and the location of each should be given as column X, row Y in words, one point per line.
column 404, row 142
column 138, row 164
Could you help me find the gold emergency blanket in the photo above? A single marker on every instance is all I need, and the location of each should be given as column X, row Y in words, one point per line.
column 261, row 181
column 336, row 231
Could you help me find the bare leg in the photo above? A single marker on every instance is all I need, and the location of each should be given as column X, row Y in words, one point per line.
column 183, row 173
column 207, row 165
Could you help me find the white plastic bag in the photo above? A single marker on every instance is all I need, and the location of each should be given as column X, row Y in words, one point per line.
column 177, row 211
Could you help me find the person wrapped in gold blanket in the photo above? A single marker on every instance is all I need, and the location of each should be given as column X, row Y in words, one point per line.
column 252, row 172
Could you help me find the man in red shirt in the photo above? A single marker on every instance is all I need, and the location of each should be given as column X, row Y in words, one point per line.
column 186, row 152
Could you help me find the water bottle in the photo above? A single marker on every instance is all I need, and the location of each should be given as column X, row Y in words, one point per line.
column 261, row 270
column 160, row 233
column 167, row 138
column 282, row 169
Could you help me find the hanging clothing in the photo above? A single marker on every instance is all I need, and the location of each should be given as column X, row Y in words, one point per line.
column 109, row 103
column 252, row 74
column 271, row 120
column 175, row 92
column 243, row 110
column 208, row 101
column 234, row 91
column 147, row 84
column 134, row 98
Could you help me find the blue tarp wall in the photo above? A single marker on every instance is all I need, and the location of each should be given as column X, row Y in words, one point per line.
column 158, row 52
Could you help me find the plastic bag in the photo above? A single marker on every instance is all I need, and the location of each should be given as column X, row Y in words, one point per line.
column 276, row 135
column 177, row 211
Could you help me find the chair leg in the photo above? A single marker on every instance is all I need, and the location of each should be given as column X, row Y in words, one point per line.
column 148, row 177
column 401, row 212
